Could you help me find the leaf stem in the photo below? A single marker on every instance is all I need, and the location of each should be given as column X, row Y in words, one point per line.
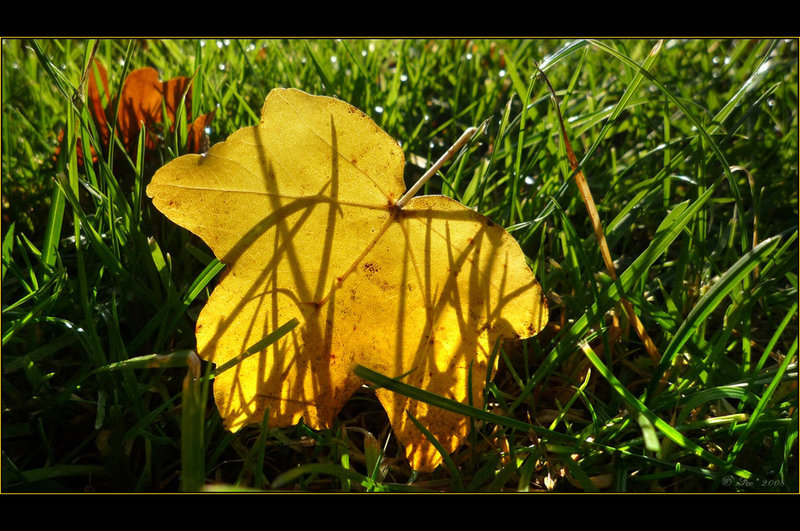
column 463, row 139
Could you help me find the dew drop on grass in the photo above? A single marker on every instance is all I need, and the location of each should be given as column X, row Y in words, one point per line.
column 378, row 109
column 764, row 67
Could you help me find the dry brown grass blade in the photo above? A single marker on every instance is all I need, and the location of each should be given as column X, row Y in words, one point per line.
column 588, row 200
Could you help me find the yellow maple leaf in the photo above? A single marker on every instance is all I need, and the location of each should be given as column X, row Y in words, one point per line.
column 303, row 209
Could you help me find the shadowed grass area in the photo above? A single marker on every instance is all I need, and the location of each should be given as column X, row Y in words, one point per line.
column 689, row 149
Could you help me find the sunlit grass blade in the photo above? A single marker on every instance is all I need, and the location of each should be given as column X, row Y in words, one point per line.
column 625, row 99
column 422, row 395
column 179, row 358
column 701, row 130
column 668, row 230
column 775, row 337
column 53, row 231
column 193, row 412
column 328, row 469
column 709, row 302
column 673, row 434
column 764, row 400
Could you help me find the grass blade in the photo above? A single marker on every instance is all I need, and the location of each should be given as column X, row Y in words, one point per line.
column 673, row 434
column 711, row 300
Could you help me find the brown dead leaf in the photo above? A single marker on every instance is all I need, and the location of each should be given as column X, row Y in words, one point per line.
column 142, row 102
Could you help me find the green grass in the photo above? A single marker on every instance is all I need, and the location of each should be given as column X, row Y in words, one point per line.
column 690, row 149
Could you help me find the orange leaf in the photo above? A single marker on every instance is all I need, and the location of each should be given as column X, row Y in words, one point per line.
column 96, row 106
column 142, row 100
